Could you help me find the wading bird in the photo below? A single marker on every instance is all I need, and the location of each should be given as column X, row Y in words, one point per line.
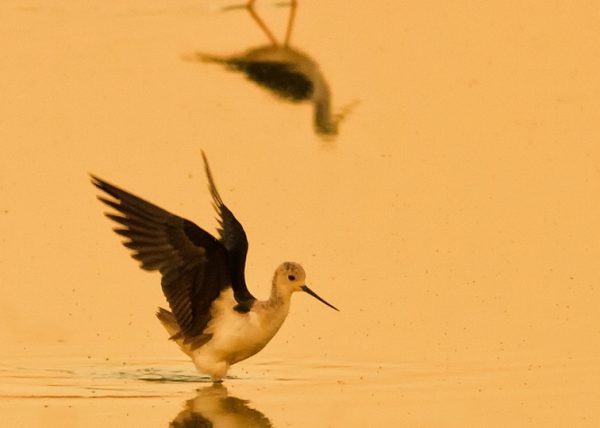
column 286, row 72
column 214, row 318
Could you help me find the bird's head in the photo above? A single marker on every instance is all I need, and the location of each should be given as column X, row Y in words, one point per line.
column 290, row 277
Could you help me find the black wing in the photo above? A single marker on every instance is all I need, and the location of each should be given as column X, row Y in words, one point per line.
column 194, row 264
column 233, row 237
column 279, row 77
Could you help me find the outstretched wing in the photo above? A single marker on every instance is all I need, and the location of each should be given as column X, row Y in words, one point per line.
column 233, row 238
column 194, row 265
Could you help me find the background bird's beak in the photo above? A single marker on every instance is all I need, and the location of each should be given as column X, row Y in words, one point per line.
column 316, row 296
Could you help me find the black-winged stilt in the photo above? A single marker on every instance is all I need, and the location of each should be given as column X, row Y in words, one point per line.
column 286, row 72
column 214, row 318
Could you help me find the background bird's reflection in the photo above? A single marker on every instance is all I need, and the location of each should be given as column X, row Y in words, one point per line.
column 286, row 72
column 214, row 407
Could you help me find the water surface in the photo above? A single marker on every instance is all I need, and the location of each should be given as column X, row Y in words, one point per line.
column 454, row 217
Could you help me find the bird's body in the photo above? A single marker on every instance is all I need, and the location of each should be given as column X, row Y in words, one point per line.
column 235, row 336
column 213, row 318
column 289, row 74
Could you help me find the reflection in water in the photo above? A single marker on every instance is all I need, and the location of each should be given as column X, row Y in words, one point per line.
column 286, row 72
column 213, row 407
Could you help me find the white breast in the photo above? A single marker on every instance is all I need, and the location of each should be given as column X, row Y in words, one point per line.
column 237, row 336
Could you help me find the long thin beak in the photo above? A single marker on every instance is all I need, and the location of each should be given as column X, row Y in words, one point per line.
column 316, row 296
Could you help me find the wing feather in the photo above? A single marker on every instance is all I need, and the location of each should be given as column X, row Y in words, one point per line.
column 233, row 238
column 194, row 265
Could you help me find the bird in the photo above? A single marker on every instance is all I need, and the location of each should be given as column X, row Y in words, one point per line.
column 286, row 72
column 213, row 317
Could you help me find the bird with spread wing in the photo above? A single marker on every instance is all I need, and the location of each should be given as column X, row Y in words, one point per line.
column 213, row 318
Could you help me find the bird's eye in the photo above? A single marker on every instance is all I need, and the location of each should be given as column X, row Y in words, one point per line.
column 291, row 277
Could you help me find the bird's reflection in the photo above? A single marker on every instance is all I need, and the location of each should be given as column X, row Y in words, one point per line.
column 214, row 407
column 286, row 72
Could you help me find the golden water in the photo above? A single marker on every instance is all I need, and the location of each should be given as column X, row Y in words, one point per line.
column 454, row 220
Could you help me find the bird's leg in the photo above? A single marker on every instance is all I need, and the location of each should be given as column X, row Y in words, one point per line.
column 261, row 24
column 290, row 26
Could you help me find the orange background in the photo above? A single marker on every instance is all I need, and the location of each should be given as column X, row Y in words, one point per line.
column 455, row 220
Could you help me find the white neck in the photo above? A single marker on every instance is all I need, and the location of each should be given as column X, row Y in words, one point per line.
column 280, row 296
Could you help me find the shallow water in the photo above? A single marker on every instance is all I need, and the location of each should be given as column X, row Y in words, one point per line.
column 454, row 218
column 90, row 392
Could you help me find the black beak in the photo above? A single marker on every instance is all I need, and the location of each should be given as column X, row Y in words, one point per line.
column 316, row 296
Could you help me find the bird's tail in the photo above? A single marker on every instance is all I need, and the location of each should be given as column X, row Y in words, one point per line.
column 169, row 322
column 198, row 56
column 186, row 344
